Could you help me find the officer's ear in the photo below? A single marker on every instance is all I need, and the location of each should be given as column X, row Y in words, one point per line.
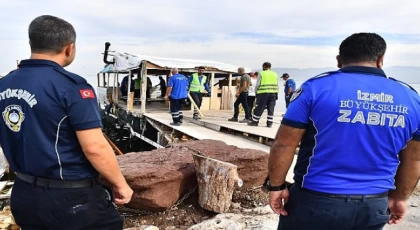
column 380, row 62
column 339, row 64
column 69, row 49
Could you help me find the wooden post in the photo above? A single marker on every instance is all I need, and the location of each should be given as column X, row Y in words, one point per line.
column 143, row 85
column 216, row 182
column 213, row 96
column 109, row 85
column 229, row 103
column 130, row 95
column 103, row 78
column 116, row 85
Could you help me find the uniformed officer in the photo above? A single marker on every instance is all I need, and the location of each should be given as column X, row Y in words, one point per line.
column 176, row 93
column 289, row 88
column 198, row 83
column 267, row 90
column 51, row 136
column 359, row 145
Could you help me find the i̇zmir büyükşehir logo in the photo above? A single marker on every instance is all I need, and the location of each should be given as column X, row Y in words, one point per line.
column 13, row 116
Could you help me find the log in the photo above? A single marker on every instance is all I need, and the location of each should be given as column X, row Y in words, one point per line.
column 216, row 182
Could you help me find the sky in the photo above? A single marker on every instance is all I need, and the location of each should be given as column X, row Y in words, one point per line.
column 292, row 34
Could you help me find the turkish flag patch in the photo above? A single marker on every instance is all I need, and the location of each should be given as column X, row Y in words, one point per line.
column 87, row 93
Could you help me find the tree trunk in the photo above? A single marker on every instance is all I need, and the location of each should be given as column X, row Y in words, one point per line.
column 216, row 183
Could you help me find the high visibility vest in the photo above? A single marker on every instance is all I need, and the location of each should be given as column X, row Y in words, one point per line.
column 196, row 86
column 269, row 82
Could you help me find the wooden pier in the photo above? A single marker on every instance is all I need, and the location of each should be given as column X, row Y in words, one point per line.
column 215, row 125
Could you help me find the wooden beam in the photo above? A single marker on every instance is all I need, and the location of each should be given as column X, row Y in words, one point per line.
column 195, row 105
column 104, row 82
column 143, row 86
column 130, row 95
column 229, row 104
column 213, row 96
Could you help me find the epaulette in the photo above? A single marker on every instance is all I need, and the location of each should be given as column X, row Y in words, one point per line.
column 323, row 75
column 404, row 84
column 74, row 77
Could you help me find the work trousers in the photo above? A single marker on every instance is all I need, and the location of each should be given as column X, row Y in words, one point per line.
column 242, row 99
column 251, row 101
column 43, row 208
column 176, row 110
column 287, row 99
column 265, row 100
column 198, row 99
column 318, row 212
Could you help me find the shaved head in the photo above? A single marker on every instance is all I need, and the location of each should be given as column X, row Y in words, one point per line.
column 174, row 71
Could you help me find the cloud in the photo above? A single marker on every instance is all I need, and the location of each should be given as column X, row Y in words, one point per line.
column 300, row 34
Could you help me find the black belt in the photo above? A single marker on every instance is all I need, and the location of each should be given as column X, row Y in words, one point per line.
column 351, row 197
column 58, row 183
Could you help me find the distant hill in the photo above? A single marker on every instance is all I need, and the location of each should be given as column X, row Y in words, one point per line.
column 408, row 74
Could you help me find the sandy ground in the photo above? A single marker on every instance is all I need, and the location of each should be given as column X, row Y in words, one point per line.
column 412, row 219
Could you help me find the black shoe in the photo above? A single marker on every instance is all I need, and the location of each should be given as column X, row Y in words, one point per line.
column 181, row 121
column 175, row 124
column 233, row 119
column 252, row 123
column 269, row 126
column 244, row 121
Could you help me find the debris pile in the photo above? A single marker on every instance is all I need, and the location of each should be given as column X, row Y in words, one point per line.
column 161, row 177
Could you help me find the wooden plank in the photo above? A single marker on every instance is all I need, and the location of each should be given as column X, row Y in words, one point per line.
column 213, row 96
column 2, row 185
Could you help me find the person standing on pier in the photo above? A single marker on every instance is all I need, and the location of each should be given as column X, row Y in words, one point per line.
column 176, row 92
column 162, row 85
column 242, row 96
column 289, row 88
column 267, row 89
column 359, row 155
column 52, row 138
column 197, row 84
column 251, row 91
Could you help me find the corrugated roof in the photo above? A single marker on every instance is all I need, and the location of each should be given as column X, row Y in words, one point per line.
column 125, row 62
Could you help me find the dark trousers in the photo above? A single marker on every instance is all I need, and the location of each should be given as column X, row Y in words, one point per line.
column 162, row 91
column 42, row 208
column 287, row 99
column 197, row 98
column 242, row 99
column 137, row 93
column 309, row 211
column 175, row 108
column 265, row 100
column 251, row 101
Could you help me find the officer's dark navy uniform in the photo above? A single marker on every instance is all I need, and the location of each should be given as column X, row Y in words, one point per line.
column 357, row 120
column 42, row 107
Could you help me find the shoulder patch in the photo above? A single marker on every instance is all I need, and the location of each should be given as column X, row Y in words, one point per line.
column 296, row 94
column 74, row 77
column 404, row 84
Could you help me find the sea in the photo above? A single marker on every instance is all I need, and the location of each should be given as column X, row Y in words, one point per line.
column 280, row 104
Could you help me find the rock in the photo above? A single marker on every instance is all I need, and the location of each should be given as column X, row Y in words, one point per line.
column 251, row 163
column 161, row 177
column 158, row 178
column 144, row 227
column 239, row 222
column 236, row 205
